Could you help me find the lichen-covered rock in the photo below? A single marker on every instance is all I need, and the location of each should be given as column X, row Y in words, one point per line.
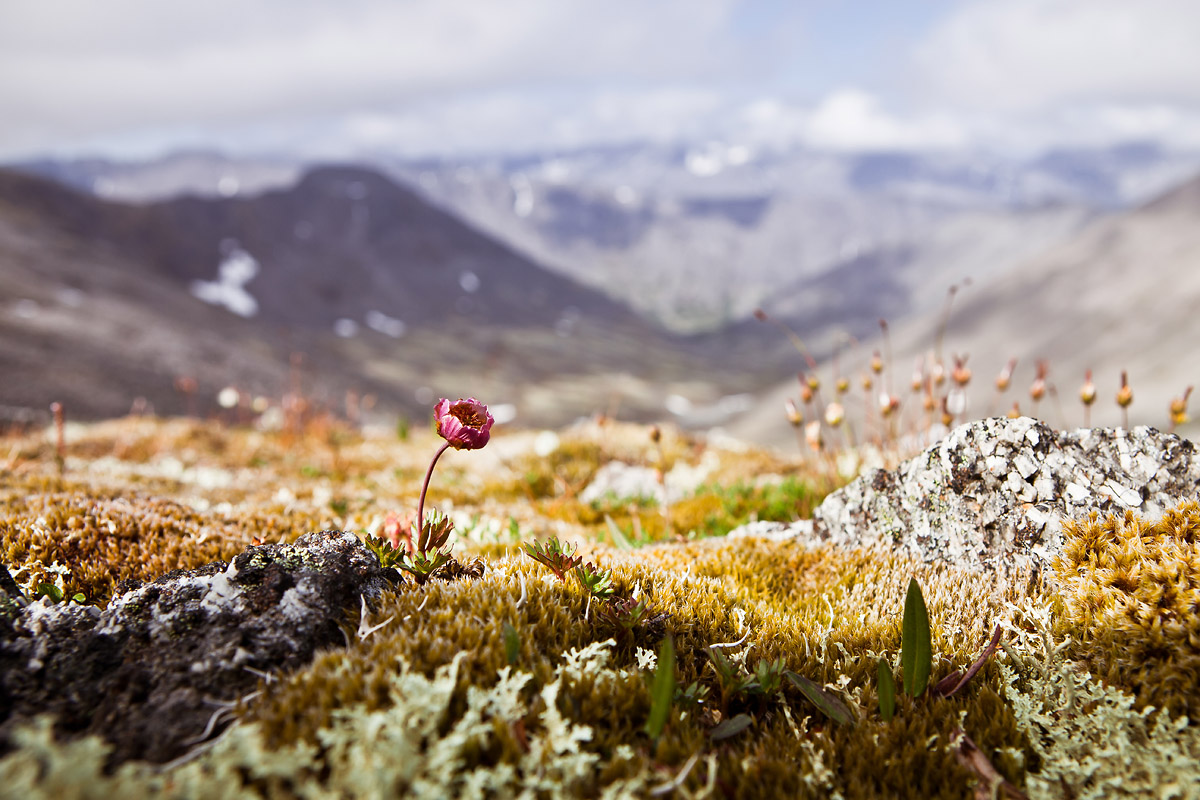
column 995, row 492
column 620, row 481
column 148, row 672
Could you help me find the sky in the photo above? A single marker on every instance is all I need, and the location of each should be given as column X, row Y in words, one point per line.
column 140, row 78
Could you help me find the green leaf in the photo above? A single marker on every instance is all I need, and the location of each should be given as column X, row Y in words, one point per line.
column 618, row 537
column 79, row 597
column 512, row 643
column 829, row 705
column 887, row 691
column 916, row 647
column 662, row 691
column 51, row 591
column 731, row 727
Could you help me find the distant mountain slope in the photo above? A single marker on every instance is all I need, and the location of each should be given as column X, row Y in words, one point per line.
column 1123, row 294
column 101, row 302
column 83, row 325
column 698, row 237
column 341, row 243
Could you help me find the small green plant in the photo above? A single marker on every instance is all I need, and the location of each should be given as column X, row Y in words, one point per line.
column 887, row 691
column 628, row 613
column 512, row 644
column 662, row 690
column 55, row 594
column 693, row 695
column 595, row 582
column 730, row 680
column 916, row 648
column 767, row 677
column 558, row 557
column 916, row 658
column 826, row 703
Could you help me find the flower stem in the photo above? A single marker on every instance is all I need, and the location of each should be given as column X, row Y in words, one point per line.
column 421, row 537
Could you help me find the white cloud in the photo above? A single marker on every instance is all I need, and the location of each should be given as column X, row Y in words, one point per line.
column 75, row 69
column 413, row 77
column 519, row 121
column 851, row 119
column 1024, row 56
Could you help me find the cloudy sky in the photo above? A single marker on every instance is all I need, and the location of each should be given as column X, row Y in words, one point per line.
column 135, row 78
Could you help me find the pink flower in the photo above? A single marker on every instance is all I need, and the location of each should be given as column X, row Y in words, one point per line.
column 464, row 424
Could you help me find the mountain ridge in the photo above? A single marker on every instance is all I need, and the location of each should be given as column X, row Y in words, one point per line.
column 105, row 304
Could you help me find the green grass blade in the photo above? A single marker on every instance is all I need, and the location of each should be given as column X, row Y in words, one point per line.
column 662, row 691
column 731, row 727
column 829, row 705
column 916, row 642
column 619, row 539
column 887, row 691
column 512, row 643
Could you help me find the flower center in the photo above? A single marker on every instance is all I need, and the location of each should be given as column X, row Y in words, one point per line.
column 468, row 415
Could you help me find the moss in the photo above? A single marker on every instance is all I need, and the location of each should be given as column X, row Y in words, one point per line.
column 817, row 610
column 1131, row 589
column 428, row 703
column 97, row 540
column 566, row 470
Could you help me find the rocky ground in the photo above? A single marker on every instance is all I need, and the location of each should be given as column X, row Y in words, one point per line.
column 188, row 609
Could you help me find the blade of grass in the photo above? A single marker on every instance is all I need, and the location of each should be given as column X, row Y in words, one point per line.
column 618, row 537
column 662, row 691
column 916, row 645
column 887, row 691
column 731, row 727
column 512, row 643
column 829, row 705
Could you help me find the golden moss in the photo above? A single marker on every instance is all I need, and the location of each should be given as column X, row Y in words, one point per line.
column 815, row 609
column 1131, row 589
column 93, row 541
column 578, row 688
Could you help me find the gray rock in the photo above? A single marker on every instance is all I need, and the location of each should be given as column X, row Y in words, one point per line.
column 995, row 492
column 148, row 672
column 620, row 481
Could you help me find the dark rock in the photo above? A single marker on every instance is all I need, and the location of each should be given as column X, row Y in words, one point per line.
column 148, row 672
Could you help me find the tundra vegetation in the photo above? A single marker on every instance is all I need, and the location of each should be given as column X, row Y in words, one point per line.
column 535, row 644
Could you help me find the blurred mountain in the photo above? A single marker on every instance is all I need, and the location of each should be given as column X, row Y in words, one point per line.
column 697, row 238
column 1123, row 294
column 206, row 174
column 101, row 302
